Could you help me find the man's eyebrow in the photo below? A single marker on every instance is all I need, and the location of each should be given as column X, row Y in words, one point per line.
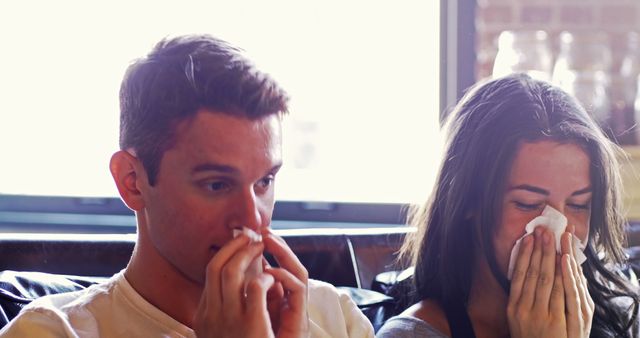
column 531, row 188
column 276, row 168
column 227, row 169
column 214, row 167
column 582, row 191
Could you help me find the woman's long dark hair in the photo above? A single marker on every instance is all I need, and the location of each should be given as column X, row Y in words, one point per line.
column 458, row 221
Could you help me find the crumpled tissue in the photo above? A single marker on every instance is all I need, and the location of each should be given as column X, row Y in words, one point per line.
column 557, row 222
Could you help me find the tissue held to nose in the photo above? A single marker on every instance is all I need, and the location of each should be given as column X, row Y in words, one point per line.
column 256, row 266
column 555, row 221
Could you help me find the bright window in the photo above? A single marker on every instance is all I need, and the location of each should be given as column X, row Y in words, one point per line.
column 363, row 77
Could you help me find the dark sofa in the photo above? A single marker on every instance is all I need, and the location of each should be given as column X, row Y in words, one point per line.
column 34, row 265
column 357, row 260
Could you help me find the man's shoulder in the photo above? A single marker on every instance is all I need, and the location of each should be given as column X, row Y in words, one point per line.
column 53, row 315
column 70, row 301
column 320, row 286
column 333, row 313
column 323, row 294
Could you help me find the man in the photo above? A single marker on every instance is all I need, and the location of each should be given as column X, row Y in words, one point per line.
column 200, row 141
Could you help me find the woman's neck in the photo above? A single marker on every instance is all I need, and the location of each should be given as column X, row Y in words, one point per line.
column 487, row 305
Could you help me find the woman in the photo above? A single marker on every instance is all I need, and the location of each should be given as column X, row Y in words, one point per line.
column 515, row 146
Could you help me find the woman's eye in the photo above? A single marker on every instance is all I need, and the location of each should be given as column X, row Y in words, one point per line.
column 580, row 207
column 527, row 206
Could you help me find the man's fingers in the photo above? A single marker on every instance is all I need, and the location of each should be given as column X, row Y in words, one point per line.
column 295, row 289
column 256, row 300
column 258, row 287
column 294, row 315
column 284, row 256
column 223, row 297
column 275, row 301
column 213, row 283
column 233, row 276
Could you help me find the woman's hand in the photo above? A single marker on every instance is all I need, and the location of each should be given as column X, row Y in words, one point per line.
column 549, row 296
column 536, row 305
column 578, row 303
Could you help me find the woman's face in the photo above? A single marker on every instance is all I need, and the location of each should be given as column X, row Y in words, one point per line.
column 544, row 173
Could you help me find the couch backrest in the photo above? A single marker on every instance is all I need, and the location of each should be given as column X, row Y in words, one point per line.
column 341, row 257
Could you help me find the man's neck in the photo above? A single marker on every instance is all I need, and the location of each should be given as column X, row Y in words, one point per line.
column 161, row 284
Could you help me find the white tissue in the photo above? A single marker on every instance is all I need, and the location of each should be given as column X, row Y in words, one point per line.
column 253, row 236
column 555, row 221
column 255, row 268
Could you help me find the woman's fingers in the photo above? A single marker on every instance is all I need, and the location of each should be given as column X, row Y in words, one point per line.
column 556, row 302
column 520, row 269
column 572, row 297
column 540, row 311
column 547, row 272
column 587, row 305
column 533, row 273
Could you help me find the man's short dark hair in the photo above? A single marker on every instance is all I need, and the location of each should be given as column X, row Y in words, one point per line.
column 181, row 76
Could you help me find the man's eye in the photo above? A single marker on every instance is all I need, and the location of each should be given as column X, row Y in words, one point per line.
column 217, row 186
column 266, row 181
column 527, row 206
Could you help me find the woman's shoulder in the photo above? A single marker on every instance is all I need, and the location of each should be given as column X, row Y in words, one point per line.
column 403, row 326
column 424, row 319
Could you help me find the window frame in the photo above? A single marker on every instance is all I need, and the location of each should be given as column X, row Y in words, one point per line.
column 63, row 214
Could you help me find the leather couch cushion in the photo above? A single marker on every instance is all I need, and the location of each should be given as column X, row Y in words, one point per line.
column 19, row 288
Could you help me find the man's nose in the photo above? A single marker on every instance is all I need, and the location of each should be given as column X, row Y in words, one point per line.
column 248, row 211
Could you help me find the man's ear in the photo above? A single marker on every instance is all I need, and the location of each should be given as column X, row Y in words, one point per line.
column 128, row 173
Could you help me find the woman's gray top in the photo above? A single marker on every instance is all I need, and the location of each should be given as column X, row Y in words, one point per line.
column 408, row 327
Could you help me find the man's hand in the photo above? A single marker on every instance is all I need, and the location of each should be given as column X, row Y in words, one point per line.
column 225, row 310
column 275, row 303
column 288, row 298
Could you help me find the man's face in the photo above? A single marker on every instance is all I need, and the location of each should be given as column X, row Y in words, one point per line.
column 218, row 176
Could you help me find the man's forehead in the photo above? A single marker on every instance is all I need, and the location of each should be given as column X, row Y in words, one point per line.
column 228, row 126
column 222, row 139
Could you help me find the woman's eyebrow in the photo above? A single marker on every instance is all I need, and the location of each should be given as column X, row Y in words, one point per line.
column 582, row 191
column 531, row 188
